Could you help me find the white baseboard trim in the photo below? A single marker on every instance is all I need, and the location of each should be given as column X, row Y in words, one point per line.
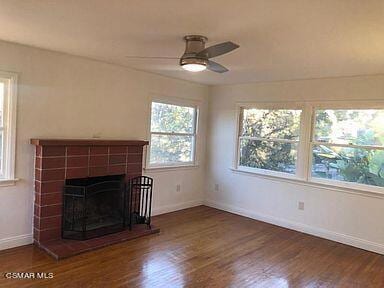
column 175, row 207
column 20, row 240
column 319, row 232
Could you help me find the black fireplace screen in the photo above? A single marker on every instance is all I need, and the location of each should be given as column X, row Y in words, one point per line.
column 101, row 205
column 93, row 207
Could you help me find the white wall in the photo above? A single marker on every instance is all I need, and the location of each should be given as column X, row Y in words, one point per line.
column 348, row 217
column 62, row 96
column 65, row 96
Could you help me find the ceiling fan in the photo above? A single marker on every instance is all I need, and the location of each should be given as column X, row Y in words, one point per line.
column 196, row 57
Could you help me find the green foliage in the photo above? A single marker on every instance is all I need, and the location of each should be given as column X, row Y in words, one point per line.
column 167, row 118
column 270, row 124
column 323, row 125
column 358, row 127
column 274, row 156
column 171, row 118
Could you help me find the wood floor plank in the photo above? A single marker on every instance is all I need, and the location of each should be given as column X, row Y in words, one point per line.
column 205, row 247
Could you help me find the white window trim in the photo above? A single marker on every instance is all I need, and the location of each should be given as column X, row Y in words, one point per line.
column 304, row 161
column 267, row 105
column 176, row 165
column 10, row 104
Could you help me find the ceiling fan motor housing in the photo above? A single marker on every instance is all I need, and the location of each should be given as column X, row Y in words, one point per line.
column 194, row 44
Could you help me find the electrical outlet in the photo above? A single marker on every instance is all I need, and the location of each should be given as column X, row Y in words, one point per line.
column 216, row 187
column 301, row 205
column 178, row 188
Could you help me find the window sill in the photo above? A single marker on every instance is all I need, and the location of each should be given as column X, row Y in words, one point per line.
column 8, row 182
column 311, row 183
column 170, row 168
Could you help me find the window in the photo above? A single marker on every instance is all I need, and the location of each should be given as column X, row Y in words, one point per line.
column 7, row 125
column 269, row 139
column 348, row 145
column 173, row 135
column 317, row 142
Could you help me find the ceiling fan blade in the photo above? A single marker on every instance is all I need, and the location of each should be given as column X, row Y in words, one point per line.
column 218, row 49
column 151, row 57
column 216, row 67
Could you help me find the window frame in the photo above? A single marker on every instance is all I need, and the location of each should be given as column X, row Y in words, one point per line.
column 177, row 102
column 270, row 105
column 9, row 127
column 307, row 126
column 354, row 105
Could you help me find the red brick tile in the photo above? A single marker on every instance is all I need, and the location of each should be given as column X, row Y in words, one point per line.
column 134, row 168
column 36, row 234
column 77, row 150
column 59, row 249
column 78, row 245
column 50, row 186
column 47, row 211
column 77, row 161
column 37, row 198
column 50, row 234
column 135, row 158
column 97, row 150
column 116, row 169
column 39, row 151
column 48, row 151
column 132, row 175
column 38, row 174
column 117, row 159
column 98, row 171
column 36, row 222
column 72, row 173
column 50, row 163
column 48, row 198
column 49, row 222
column 117, row 149
column 98, row 160
column 135, row 149
column 37, row 186
column 38, row 162
column 50, row 174
column 36, row 210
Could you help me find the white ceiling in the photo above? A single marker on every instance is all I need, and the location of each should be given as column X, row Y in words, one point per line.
column 279, row 39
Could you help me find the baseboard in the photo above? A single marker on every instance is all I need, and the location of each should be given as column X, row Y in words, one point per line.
column 20, row 240
column 175, row 207
column 319, row 232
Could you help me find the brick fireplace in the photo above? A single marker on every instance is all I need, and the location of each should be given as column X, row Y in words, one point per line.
column 59, row 160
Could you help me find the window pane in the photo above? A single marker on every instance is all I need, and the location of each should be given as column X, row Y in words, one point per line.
column 275, row 124
column 269, row 155
column 357, row 165
column 168, row 149
column 359, row 127
column 172, row 118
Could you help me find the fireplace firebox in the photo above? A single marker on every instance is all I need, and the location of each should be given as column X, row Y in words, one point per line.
column 93, row 207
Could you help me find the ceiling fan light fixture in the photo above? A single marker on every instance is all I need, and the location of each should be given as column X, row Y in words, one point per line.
column 194, row 67
column 193, row 64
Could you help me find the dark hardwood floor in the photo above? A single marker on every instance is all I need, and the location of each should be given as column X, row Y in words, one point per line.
column 205, row 247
